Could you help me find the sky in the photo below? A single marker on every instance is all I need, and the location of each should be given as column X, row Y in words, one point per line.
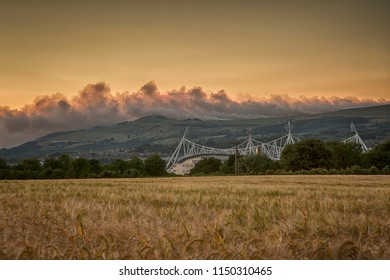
column 61, row 60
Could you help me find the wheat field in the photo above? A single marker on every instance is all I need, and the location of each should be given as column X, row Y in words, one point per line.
column 252, row 217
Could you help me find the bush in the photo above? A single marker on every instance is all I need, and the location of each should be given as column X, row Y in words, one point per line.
column 373, row 171
column 132, row 173
column 386, row 170
column 356, row 169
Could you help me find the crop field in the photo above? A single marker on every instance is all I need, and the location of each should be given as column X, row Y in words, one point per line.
column 252, row 217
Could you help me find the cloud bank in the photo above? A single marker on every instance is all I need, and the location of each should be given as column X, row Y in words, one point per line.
column 97, row 105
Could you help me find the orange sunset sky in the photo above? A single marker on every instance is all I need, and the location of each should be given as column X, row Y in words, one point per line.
column 68, row 65
column 250, row 49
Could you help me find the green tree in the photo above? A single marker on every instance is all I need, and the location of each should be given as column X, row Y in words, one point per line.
column 227, row 166
column 56, row 168
column 306, row 155
column 258, row 163
column 119, row 165
column 154, row 165
column 32, row 165
column 49, row 165
column 344, row 155
column 95, row 166
column 115, row 169
column 79, row 168
column 52, row 163
column 64, row 159
column 206, row 166
column 137, row 164
column 27, row 169
column 3, row 164
column 3, row 169
column 379, row 156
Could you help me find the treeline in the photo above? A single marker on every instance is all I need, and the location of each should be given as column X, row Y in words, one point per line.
column 310, row 156
column 65, row 167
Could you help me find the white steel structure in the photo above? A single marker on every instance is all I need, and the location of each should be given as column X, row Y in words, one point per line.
column 188, row 149
column 355, row 138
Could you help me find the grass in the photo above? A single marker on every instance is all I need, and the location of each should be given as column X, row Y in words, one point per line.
column 252, row 217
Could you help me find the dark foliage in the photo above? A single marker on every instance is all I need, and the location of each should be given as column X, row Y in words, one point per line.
column 206, row 166
column 378, row 157
column 306, row 157
column 154, row 166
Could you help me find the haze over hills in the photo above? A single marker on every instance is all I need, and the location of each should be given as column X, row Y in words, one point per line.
column 157, row 133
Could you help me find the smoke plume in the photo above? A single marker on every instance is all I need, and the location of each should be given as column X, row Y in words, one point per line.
column 97, row 105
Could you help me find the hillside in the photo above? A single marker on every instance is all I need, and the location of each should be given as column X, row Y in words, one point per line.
column 161, row 134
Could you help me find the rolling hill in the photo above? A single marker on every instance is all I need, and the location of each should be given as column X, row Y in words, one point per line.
column 161, row 134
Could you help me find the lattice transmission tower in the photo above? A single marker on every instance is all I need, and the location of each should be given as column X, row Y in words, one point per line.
column 355, row 138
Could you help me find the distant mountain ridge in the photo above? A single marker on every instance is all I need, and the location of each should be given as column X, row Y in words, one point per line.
column 161, row 134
